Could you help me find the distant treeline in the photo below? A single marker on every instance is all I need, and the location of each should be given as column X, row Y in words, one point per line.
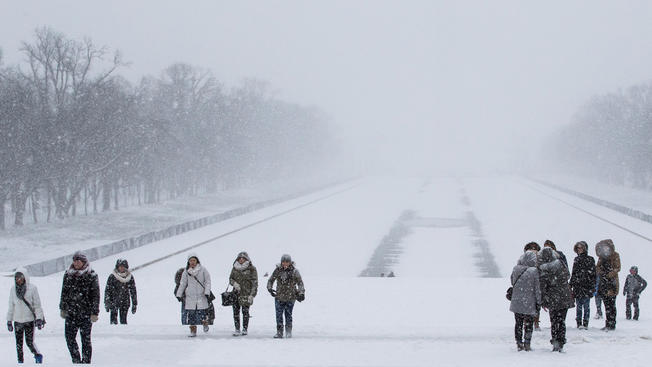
column 609, row 140
column 74, row 135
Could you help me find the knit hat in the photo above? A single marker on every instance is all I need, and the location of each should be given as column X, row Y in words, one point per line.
column 286, row 258
column 79, row 256
column 122, row 262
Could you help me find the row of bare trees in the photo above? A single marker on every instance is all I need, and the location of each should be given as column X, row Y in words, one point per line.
column 74, row 133
column 610, row 139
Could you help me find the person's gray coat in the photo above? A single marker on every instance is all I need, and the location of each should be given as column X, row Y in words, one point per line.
column 526, row 294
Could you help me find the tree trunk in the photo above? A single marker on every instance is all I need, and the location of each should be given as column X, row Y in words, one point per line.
column 116, row 189
column 35, row 205
column 106, row 194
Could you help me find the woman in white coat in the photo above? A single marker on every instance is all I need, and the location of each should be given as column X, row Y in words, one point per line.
column 24, row 313
column 194, row 290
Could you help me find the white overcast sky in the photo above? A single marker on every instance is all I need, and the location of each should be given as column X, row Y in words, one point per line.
column 422, row 83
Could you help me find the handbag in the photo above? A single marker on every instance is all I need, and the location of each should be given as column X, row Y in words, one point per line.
column 510, row 290
column 229, row 298
column 211, row 296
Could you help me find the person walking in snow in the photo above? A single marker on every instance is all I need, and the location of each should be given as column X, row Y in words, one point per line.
column 582, row 283
column 556, row 296
column 244, row 279
column 526, row 296
column 607, row 270
column 120, row 292
column 195, row 291
column 24, row 313
column 289, row 288
column 80, row 306
column 634, row 285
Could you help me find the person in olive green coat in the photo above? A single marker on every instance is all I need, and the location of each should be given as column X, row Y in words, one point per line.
column 244, row 279
column 289, row 288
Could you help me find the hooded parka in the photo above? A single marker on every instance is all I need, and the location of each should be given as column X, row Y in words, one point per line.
column 17, row 310
column 526, row 293
column 244, row 278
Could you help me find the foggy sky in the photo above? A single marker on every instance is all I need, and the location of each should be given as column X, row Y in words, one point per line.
column 419, row 84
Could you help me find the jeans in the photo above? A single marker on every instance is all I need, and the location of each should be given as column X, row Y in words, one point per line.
column 123, row 315
column 633, row 300
column 583, row 311
column 598, row 304
column 523, row 322
column 610, row 311
column 283, row 308
column 25, row 329
column 84, row 326
column 558, row 326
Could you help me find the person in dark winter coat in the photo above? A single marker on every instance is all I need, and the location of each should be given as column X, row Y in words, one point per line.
column 195, row 289
column 244, row 279
column 555, row 294
column 634, row 285
column 562, row 257
column 80, row 306
column 534, row 248
column 289, row 288
column 24, row 313
column 120, row 292
column 182, row 300
column 607, row 270
column 582, row 283
column 526, row 297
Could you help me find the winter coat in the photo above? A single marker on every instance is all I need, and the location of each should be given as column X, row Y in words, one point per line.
column 289, row 283
column 195, row 295
column 177, row 280
column 554, row 275
column 634, row 285
column 607, row 268
column 562, row 257
column 526, row 293
column 80, row 293
column 245, row 277
column 583, row 277
column 120, row 290
column 18, row 311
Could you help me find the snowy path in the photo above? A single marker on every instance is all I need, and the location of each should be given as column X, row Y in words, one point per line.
column 436, row 312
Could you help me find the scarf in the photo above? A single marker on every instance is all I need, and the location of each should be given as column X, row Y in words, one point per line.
column 20, row 290
column 80, row 272
column 194, row 271
column 122, row 277
column 241, row 267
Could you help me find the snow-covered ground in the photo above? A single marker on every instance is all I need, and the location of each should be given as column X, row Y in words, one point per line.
column 437, row 311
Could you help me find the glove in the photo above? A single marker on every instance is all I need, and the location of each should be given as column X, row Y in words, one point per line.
column 301, row 297
column 133, row 308
column 39, row 324
column 180, row 299
column 236, row 286
column 63, row 314
column 107, row 308
column 272, row 292
column 251, row 300
column 10, row 327
column 94, row 318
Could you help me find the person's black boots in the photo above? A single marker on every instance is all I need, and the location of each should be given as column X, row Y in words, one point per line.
column 519, row 346
column 279, row 332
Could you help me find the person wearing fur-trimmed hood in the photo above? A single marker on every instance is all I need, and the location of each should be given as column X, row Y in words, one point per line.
column 80, row 306
column 244, row 279
column 24, row 313
column 194, row 290
column 120, row 292
column 289, row 288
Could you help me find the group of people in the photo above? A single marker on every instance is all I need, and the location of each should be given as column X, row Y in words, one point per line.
column 193, row 290
column 79, row 304
column 542, row 280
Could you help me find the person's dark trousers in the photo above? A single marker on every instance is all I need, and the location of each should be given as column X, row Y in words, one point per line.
column 610, row 311
column 583, row 311
column 284, row 308
column 26, row 330
column 628, row 307
column 598, row 305
column 84, row 326
column 124, row 311
column 558, row 326
column 236, row 316
column 523, row 322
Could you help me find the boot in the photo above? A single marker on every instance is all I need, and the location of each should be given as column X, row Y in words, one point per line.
column 193, row 331
column 205, row 326
column 279, row 332
column 519, row 346
column 38, row 358
column 288, row 330
column 527, row 347
column 579, row 324
column 556, row 347
column 586, row 324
